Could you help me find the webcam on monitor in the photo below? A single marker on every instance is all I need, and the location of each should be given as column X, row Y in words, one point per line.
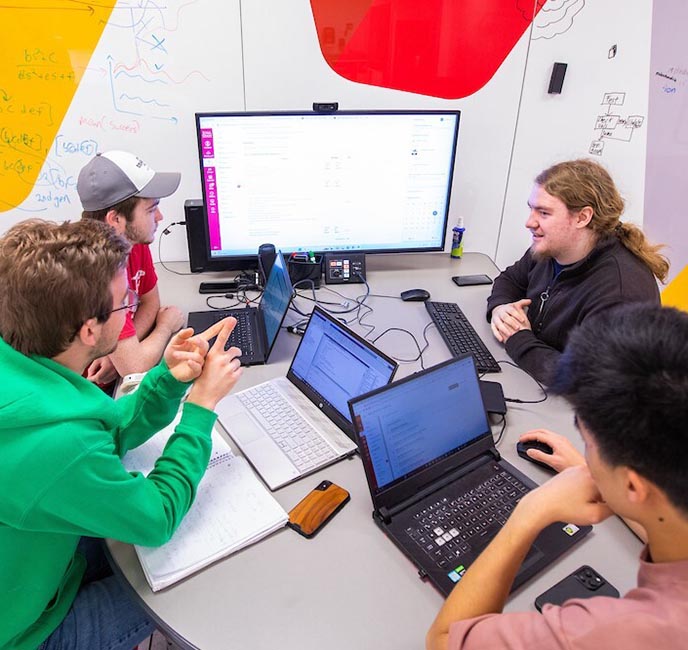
column 326, row 107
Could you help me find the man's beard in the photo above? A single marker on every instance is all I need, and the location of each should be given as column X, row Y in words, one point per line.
column 103, row 351
column 134, row 235
column 538, row 256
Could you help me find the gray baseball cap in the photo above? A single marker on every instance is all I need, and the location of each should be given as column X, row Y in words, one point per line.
column 113, row 176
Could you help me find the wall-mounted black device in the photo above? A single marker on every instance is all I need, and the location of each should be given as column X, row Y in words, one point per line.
column 194, row 216
column 556, row 81
column 344, row 268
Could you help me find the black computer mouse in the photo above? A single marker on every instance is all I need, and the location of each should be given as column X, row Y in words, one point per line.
column 415, row 294
column 523, row 447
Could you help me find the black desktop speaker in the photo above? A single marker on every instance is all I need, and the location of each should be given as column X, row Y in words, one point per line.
column 194, row 215
column 266, row 258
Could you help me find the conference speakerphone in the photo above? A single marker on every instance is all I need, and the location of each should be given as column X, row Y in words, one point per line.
column 344, row 268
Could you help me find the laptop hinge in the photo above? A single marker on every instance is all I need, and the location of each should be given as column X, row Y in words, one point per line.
column 383, row 515
column 495, row 453
column 438, row 484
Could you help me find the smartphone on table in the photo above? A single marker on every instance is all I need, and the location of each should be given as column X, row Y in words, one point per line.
column 318, row 507
column 584, row 582
column 471, row 280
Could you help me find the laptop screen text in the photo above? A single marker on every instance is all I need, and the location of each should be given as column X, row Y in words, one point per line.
column 416, row 423
column 336, row 365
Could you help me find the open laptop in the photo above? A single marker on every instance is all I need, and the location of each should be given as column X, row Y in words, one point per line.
column 312, row 429
column 440, row 489
column 257, row 328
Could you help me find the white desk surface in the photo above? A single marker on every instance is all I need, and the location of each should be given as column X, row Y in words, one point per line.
column 349, row 587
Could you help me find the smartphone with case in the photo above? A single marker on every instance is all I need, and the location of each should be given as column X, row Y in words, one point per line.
column 310, row 514
column 584, row 582
column 470, row 280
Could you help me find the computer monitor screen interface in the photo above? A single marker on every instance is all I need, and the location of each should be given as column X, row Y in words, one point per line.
column 348, row 181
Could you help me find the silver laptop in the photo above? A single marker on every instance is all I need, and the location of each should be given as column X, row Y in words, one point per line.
column 292, row 426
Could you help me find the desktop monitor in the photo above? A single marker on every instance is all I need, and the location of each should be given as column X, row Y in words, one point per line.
column 362, row 181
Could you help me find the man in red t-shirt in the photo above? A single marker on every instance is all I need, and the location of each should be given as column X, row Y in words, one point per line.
column 119, row 189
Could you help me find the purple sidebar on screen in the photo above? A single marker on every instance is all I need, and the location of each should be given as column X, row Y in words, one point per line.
column 211, row 208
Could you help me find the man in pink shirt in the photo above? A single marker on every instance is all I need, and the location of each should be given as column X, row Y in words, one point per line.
column 625, row 372
column 120, row 189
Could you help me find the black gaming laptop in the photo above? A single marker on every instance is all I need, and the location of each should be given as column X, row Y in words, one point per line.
column 440, row 489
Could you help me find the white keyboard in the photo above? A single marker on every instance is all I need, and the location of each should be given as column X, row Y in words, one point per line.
column 299, row 441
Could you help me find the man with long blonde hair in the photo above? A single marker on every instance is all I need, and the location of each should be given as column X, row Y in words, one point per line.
column 582, row 260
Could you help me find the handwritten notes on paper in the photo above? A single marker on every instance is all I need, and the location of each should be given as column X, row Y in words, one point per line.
column 232, row 509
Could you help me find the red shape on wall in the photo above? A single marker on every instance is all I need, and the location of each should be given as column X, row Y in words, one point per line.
column 442, row 48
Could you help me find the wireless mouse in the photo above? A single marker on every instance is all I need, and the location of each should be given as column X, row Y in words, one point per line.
column 415, row 294
column 523, row 447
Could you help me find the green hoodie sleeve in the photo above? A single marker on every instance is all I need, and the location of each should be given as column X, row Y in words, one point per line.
column 95, row 495
column 148, row 410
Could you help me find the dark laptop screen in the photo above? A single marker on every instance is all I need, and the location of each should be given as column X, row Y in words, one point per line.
column 337, row 365
column 276, row 298
column 414, row 423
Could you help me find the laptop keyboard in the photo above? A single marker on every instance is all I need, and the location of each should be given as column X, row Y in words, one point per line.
column 242, row 336
column 454, row 525
column 301, row 443
column 459, row 334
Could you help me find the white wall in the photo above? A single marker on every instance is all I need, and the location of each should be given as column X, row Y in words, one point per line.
column 552, row 128
column 264, row 55
column 285, row 70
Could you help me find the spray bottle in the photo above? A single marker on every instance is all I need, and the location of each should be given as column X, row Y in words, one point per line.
column 457, row 239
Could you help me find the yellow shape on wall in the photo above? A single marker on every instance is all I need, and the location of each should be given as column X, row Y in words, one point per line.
column 45, row 49
column 675, row 294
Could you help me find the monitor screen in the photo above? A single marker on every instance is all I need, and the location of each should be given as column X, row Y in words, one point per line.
column 366, row 181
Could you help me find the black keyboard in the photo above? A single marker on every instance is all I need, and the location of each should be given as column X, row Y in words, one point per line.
column 242, row 335
column 454, row 525
column 459, row 334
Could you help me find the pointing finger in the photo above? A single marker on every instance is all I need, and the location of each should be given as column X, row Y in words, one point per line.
column 215, row 329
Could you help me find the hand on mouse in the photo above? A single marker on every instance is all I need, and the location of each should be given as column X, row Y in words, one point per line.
column 563, row 455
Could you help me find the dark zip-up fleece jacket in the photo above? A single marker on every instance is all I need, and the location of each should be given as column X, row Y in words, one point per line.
column 610, row 275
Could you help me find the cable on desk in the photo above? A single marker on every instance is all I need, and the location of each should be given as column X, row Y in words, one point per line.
column 227, row 296
column 420, row 351
column 167, row 231
column 526, row 401
column 321, row 303
column 239, row 295
column 500, row 435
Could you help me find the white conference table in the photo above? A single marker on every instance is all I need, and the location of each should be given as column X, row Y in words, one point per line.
column 349, row 587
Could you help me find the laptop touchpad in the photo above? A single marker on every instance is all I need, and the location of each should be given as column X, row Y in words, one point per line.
column 243, row 429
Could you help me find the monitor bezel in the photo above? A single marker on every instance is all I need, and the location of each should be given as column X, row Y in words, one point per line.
column 250, row 261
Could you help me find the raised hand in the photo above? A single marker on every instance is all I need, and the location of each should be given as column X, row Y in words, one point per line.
column 221, row 370
column 185, row 354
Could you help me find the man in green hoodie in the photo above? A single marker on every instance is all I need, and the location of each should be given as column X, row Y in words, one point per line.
column 63, row 300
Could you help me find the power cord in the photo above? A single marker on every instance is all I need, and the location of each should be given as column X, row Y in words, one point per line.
column 419, row 357
column 500, row 435
column 526, row 401
column 167, row 231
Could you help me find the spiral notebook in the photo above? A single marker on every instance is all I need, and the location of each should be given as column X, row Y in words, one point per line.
column 232, row 509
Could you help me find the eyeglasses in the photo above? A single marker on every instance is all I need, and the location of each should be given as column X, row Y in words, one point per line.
column 132, row 302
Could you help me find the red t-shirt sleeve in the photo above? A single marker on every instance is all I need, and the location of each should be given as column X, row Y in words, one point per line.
column 142, row 279
column 142, row 276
